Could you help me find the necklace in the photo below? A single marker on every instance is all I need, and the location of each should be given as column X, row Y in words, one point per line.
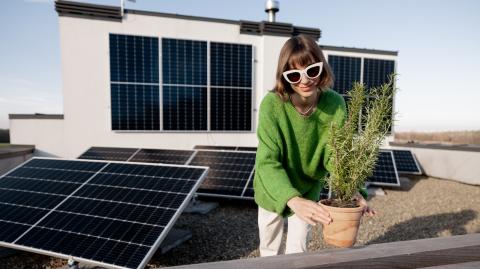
column 308, row 109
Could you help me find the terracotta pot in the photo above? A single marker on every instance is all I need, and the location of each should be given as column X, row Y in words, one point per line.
column 342, row 231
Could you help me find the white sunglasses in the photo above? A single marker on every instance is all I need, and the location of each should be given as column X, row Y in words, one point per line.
column 312, row 71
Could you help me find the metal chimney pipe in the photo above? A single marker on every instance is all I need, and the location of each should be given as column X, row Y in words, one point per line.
column 272, row 7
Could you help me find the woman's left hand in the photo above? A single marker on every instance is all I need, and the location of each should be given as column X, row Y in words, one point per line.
column 366, row 210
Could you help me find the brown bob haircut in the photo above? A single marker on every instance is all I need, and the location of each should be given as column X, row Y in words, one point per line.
column 303, row 51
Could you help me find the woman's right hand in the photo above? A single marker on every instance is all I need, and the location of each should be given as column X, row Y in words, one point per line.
column 309, row 211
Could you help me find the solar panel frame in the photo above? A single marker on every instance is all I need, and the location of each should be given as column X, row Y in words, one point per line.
column 186, row 155
column 153, row 248
column 398, row 161
column 232, row 148
column 212, row 147
column 379, row 183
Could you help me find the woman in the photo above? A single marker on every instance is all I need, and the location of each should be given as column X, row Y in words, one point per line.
column 291, row 162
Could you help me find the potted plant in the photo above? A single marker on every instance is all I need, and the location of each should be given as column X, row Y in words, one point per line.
column 353, row 154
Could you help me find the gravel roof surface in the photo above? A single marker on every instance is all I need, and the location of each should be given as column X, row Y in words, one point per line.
column 422, row 208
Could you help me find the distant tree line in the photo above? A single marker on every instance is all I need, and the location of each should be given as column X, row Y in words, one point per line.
column 4, row 136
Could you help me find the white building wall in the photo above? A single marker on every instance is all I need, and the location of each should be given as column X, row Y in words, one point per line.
column 48, row 135
column 85, row 61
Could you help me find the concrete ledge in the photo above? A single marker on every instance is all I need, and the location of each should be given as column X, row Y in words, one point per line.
column 458, row 163
column 13, row 155
column 16, row 150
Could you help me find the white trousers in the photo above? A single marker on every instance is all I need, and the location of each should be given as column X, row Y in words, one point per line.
column 270, row 226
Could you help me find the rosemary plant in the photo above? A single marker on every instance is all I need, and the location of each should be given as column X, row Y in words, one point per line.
column 354, row 152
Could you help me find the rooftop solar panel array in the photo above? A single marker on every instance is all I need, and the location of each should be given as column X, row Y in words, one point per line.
column 230, row 175
column 204, row 85
column 104, row 213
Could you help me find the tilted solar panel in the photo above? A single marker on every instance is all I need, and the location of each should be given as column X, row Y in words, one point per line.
column 406, row 162
column 230, row 173
column 385, row 172
column 110, row 214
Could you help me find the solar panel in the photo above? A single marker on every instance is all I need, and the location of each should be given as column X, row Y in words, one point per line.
column 134, row 82
column 385, row 172
column 375, row 74
column 232, row 148
column 230, row 173
column 106, row 153
column 184, row 68
column 376, row 71
column 406, row 162
column 108, row 214
column 346, row 70
column 231, row 86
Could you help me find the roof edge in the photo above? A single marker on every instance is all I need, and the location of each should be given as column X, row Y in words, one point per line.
column 179, row 16
column 351, row 49
column 37, row 116
column 15, row 150
column 105, row 12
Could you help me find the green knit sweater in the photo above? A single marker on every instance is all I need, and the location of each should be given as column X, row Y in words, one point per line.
column 292, row 150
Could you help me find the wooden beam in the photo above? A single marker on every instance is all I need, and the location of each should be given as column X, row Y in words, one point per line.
column 436, row 252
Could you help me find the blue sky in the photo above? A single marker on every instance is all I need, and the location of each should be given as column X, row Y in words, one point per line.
column 438, row 44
